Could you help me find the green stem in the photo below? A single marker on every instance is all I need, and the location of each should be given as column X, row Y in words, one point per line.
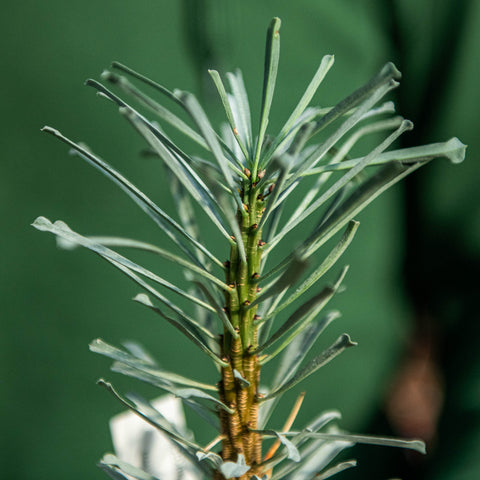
column 239, row 383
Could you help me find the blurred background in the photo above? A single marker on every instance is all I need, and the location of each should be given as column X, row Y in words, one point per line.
column 413, row 286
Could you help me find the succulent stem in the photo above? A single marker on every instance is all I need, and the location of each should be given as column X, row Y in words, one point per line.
column 238, row 387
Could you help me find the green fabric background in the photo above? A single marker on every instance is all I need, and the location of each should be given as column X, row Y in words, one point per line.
column 52, row 303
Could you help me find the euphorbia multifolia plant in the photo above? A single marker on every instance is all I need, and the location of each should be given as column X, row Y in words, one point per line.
column 247, row 307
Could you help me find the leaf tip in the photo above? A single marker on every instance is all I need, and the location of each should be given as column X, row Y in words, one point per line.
column 405, row 126
column 457, row 150
column 180, row 94
column 144, row 299
column 347, row 341
column 391, row 71
column 329, row 59
column 109, row 77
column 41, row 223
column 51, row 130
column 275, row 25
column 103, row 383
column 94, row 344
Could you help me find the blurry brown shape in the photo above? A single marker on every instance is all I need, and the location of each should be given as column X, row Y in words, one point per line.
column 415, row 399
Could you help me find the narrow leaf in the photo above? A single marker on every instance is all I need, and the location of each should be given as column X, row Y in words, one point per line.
column 165, row 114
column 180, row 168
column 239, row 95
column 453, row 150
column 172, row 95
column 168, row 225
column 206, row 129
column 290, row 361
column 60, row 228
column 111, row 471
column 165, row 91
column 243, row 381
column 219, row 309
column 203, row 411
column 278, row 187
column 214, row 459
column 158, row 375
column 200, row 118
column 349, row 123
column 325, row 357
column 316, row 455
column 303, row 135
column 188, row 328
column 303, row 315
column 151, row 416
column 340, row 467
column 171, row 154
column 287, row 279
column 228, row 111
column 323, row 268
column 325, row 65
column 292, row 451
column 237, row 469
column 148, row 247
column 322, row 325
column 416, row 445
column 272, row 54
column 380, row 126
column 117, row 469
column 388, row 73
column 299, row 347
column 341, row 182
column 358, row 200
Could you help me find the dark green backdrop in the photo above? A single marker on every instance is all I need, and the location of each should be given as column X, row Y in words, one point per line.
column 52, row 303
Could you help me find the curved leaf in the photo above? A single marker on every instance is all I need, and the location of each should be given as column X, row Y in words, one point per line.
column 61, row 229
column 119, row 469
column 237, row 469
column 272, row 54
column 168, row 225
column 158, row 376
column 325, row 357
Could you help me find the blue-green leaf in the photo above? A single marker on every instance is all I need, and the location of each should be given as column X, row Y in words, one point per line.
column 339, row 467
column 147, row 247
column 186, row 325
column 241, row 107
column 375, row 96
column 229, row 113
column 168, row 225
column 157, row 375
column 120, row 470
column 155, row 107
column 325, row 357
column 347, row 177
column 61, row 229
column 302, row 316
column 322, row 269
column 386, row 75
column 272, row 55
column 234, row 469
column 209, row 414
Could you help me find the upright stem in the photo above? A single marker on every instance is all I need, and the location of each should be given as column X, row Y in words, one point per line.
column 238, row 386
